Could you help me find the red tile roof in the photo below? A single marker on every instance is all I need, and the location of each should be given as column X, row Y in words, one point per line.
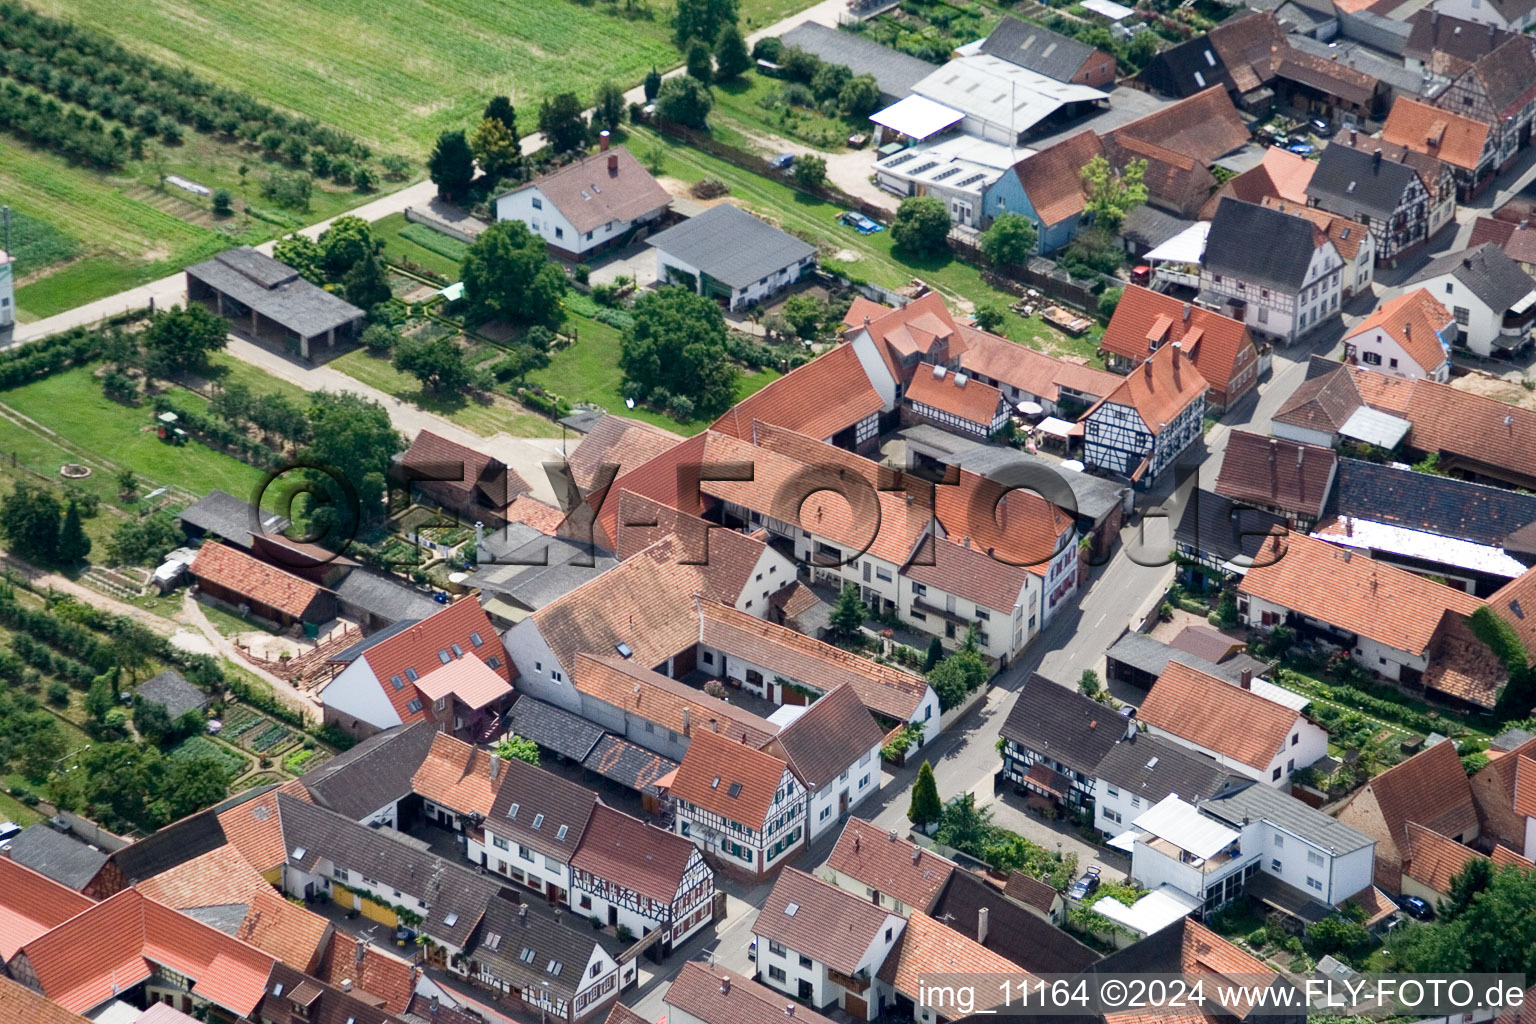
column 821, row 921
column 1503, row 855
column 31, row 904
column 1052, row 178
column 718, row 995
column 971, row 400
column 670, row 478
column 1457, row 140
column 261, row 583
column 826, row 395
column 1276, row 473
column 1517, row 240
column 472, row 682
column 1219, row 346
column 533, row 512
column 1201, row 709
column 292, row 934
column 616, row 441
column 832, row 734
column 714, row 765
column 1202, row 951
column 1525, row 787
column 1204, row 126
column 252, row 826
column 969, row 572
column 113, row 945
column 1345, row 234
column 1032, row 371
column 417, row 648
column 23, row 1006
column 889, row 864
column 456, row 774
column 1163, row 386
column 376, row 975
column 628, row 852
column 1430, row 788
column 928, row 949
column 1354, row 592
column 603, row 187
column 923, row 328
column 1414, row 320
column 1030, row 891
column 1433, row 860
column 653, row 697
column 456, row 474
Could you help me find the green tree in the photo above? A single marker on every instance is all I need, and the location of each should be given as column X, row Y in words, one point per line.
column 437, row 362
column 1113, row 194
column 677, row 341
column 189, row 786
column 152, row 721
column 608, row 106
column 810, row 171
column 1337, row 934
column 731, row 57
column 143, row 541
column 29, row 522
column 74, row 545
column 948, row 679
column 1109, row 301
column 38, row 743
column 451, row 166
column 684, row 100
column 1011, row 239
column 859, row 96
column 1495, row 934
column 380, row 339
column 965, row 826
column 366, row 284
column 302, row 254
column 561, row 123
column 804, row 313
column 500, row 107
column 1466, row 884
column 990, row 316
column 699, row 62
column 848, row 614
column 828, row 81
column 925, row 808
column 701, row 19
column 921, row 226
column 346, row 243
column 935, row 654
column 652, row 84
column 515, row 747
column 100, row 699
column 1088, row 684
column 496, row 148
column 181, row 337
column 354, row 435
column 223, row 203
column 506, row 276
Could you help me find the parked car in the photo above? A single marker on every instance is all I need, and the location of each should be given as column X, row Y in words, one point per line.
column 1417, row 908
column 1085, row 886
column 782, row 162
column 860, row 223
column 8, row 829
column 1302, row 148
column 857, row 140
column 1322, row 129
column 752, row 949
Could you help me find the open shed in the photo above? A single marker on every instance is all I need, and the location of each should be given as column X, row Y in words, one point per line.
column 245, row 284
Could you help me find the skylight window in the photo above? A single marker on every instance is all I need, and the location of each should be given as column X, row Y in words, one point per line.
column 444, row 657
column 414, row 706
column 299, row 852
column 396, row 683
column 735, row 789
column 410, row 674
column 450, row 920
column 554, row 967
column 493, row 662
column 791, row 909
column 526, row 956
column 458, row 652
column 538, row 821
column 715, row 784
column 625, row 651
column 560, row 835
column 512, row 811
column 493, row 941
column 474, row 638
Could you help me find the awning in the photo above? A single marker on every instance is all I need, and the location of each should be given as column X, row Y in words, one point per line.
column 1042, row 778
column 1524, row 304
column 917, row 117
column 1127, row 840
column 1375, row 427
column 1030, row 408
column 453, row 292
column 1055, row 427
column 1108, row 9
column 1188, row 246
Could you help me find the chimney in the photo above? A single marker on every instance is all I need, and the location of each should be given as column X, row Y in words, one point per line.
column 613, row 165
column 1376, row 159
column 789, row 1009
column 892, row 835
column 1300, row 452
column 1130, row 727
column 1349, row 526
column 917, row 853
column 687, row 720
column 856, row 842
column 1247, row 679
column 362, row 950
column 1274, row 543
column 495, row 766
column 725, row 986
column 346, row 984
column 981, row 925
column 1146, row 369
column 5, row 851
column 1490, row 33
column 1187, row 309
column 714, row 725
column 522, row 913
column 479, row 537
column 602, row 141
column 1408, row 331
column 1354, row 137
column 432, row 1005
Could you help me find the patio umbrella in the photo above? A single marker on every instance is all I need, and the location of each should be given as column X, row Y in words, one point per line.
column 1030, row 408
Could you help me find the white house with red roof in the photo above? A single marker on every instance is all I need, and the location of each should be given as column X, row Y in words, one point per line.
column 449, row 668
column 1410, row 336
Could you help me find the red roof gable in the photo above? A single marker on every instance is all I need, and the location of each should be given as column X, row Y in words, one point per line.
column 1414, row 320
column 417, row 650
column 1146, row 320
column 262, row 583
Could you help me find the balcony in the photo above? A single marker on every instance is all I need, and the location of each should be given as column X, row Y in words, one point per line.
column 849, row 982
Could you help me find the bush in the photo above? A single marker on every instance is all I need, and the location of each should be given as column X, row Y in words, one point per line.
column 222, row 203
column 810, row 171
column 921, row 225
column 1256, row 938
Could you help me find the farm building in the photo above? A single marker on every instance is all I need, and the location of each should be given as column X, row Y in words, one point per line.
column 729, row 255
column 268, row 592
column 243, row 283
column 223, row 516
column 171, row 691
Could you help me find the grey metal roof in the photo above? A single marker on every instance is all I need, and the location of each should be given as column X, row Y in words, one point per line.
column 1353, row 183
column 1151, row 767
column 896, row 72
column 534, row 570
column 1096, row 496
column 229, row 517
column 1280, row 263
column 385, row 596
column 1151, row 227
column 276, row 291
column 1353, row 55
column 171, row 691
column 1287, row 812
column 450, row 891
column 1486, row 271
column 61, row 857
column 1142, row 652
column 358, row 649
column 556, row 729
column 1375, row 427
column 1219, row 529
column 732, row 246
column 374, row 773
column 1440, row 505
column 226, row 917
column 1038, row 49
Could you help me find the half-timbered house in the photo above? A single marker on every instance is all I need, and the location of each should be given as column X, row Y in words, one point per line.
column 1281, row 289
column 632, row 875
column 1143, row 426
column 1382, row 196
column 744, row 808
column 560, row 970
column 1499, row 89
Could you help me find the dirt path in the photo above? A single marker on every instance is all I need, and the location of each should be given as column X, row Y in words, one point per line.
column 192, row 613
column 848, row 170
column 85, row 595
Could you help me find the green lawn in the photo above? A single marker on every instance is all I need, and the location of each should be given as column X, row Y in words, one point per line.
column 12, row 809
column 72, row 405
column 484, row 420
column 397, row 72
column 397, row 247
column 874, row 258
column 232, row 370
column 743, row 99
column 588, row 371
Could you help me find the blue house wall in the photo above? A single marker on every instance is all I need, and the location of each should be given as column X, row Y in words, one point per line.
column 1007, row 195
